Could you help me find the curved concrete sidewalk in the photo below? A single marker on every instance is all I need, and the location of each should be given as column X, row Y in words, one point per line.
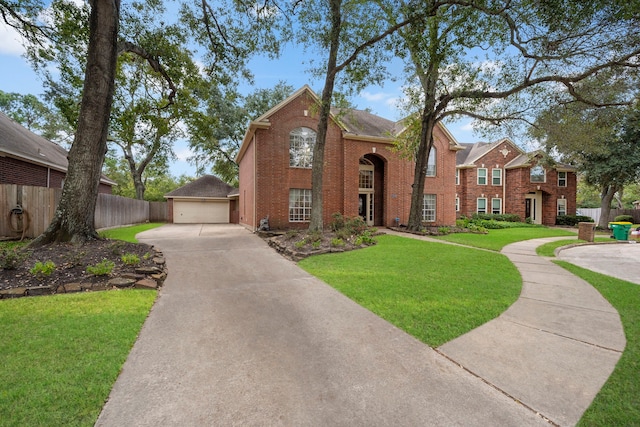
column 554, row 348
column 241, row 336
column 621, row 260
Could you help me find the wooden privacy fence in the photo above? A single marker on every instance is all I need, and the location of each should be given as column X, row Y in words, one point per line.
column 595, row 214
column 39, row 204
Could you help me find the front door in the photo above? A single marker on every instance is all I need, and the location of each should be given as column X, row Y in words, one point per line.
column 365, row 207
column 533, row 207
column 366, row 191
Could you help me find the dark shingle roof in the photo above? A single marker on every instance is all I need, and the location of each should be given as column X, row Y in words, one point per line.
column 20, row 142
column 360, row 122
column 205, row 186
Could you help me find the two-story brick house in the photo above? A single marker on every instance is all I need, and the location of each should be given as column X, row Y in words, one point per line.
column 363, row 173
column 499, row 177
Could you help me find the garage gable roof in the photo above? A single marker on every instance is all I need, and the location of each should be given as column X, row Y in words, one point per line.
column 207, row 186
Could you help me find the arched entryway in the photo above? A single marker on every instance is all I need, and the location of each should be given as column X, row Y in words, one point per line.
column 371, row 189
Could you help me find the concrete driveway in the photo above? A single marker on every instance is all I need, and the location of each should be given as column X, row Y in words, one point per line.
column 621, row 260
column 241, row 336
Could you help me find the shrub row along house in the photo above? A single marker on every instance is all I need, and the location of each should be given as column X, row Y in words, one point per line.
column 365, row 175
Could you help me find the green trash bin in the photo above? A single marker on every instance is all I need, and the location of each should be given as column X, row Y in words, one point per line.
column 620, row 229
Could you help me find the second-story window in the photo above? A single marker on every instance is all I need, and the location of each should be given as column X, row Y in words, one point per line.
column 538, row 174
column 562, row 179
column 431, row 163
column 301, row 143
column 496, row 176
column 482, row 176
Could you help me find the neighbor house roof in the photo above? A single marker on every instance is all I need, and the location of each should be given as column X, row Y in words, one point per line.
column 19, row 142
column 474, row 152
column 207, row 187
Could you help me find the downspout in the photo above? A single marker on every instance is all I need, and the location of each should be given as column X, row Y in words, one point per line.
column 504, row 190
column 255, row 182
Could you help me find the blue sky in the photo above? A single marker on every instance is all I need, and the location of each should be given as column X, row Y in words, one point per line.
column 16, row 75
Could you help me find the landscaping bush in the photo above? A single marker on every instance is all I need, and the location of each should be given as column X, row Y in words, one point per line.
column 10, row 259
column 624, row 218
column 497, row 217
column 572, row 220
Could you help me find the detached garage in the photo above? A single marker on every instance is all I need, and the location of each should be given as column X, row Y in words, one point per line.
column 207, row 200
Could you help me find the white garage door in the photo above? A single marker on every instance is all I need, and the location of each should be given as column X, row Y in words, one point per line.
column 196, row 212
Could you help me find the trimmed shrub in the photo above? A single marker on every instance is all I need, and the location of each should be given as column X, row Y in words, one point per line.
column 572, row 220
column 624, row 218
column 497, row 217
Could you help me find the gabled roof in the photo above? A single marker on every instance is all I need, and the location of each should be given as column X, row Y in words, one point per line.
column 19, row 142
column 363, row 123
column 207, row 186
column 355, row 124
column 474, row 152
column 524, row 160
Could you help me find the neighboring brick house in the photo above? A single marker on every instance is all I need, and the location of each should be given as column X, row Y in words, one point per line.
column 363, row 174
column 29, row 159
column 499, row 177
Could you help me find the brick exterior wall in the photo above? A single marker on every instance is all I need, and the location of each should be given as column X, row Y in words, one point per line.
column 266, row 176
column 15, row 171
column 516, row 186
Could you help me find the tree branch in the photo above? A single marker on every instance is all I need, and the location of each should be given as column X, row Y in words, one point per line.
column 153, row 62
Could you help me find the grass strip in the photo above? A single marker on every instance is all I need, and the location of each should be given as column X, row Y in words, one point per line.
column 495, row 240
column 61, row 354
column 128, row 234
column 618, row 402
column 433, row 291
column 548, row 249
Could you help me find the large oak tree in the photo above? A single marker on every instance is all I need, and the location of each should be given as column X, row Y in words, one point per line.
column 498, row 61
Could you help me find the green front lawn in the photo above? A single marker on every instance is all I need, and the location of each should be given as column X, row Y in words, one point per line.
column 495, row 240
column 618, row 403
column 434, row 292
column 61, row 354
column 128, row 234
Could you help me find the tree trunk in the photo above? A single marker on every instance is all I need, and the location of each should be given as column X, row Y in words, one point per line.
column 605, row 205
column 419, row 174
column 317, row 170
column 74, row 217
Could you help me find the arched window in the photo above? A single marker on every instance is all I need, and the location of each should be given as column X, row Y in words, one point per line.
column 301, row 143
column 431, row 163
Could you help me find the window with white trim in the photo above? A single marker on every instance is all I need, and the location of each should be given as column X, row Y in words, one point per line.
column 562, row 207
column 429, row 207
column 496, row 206
column 482, row 176
column 457, row 204
column 538, row 174
column 457, row 176
column 562, row 179
column 299, row 205
column 301, row 143
column 431, row 163
column 496, row 176
column 481, row 205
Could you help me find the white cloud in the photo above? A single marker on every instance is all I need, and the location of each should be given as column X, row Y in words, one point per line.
column 374, row 97
column 10, row 41
column 182, row 152
column 468, row 126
